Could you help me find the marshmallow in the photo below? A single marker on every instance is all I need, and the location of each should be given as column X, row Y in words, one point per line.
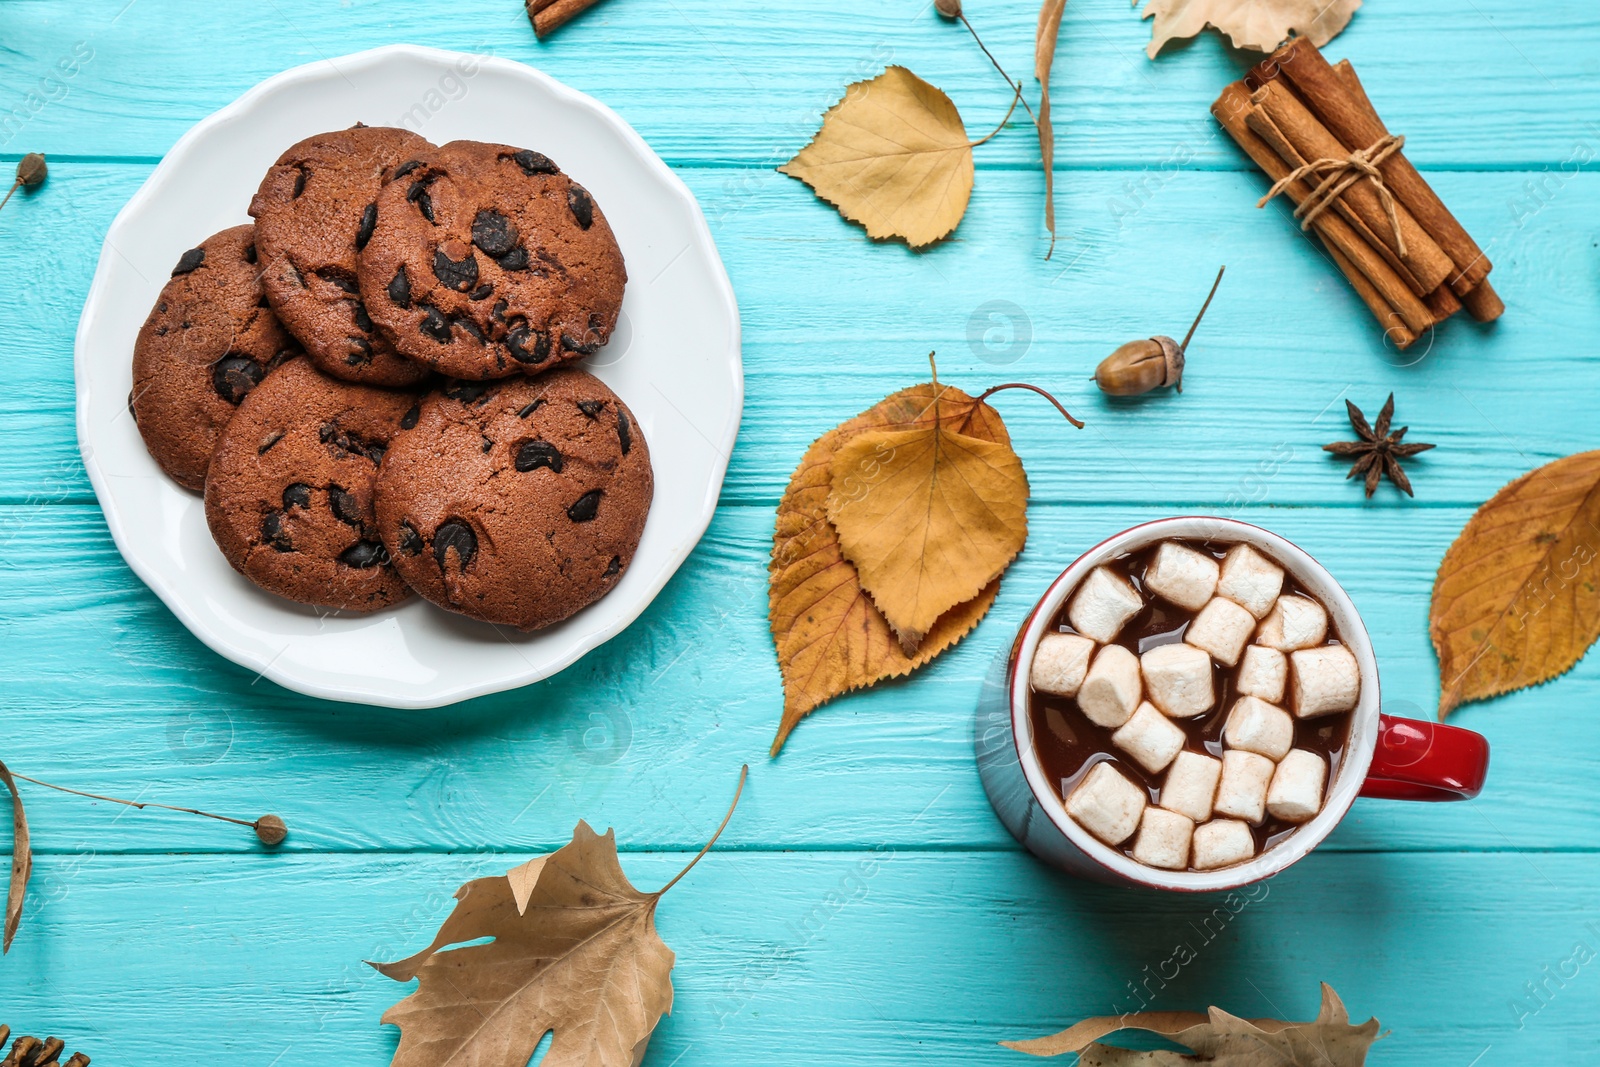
column 1221, row 628
column 1294, row 622
column 1111, row 689
column 1103, row 604
column 1150, row 738
column 1242, row 793
column 1163, row 839
column 1256, row 726
column 1191, row 784
column 1325, row 679
column 1107, row 805
column 1262, row 673
column 1295, row 794
column 1180, row 574
column 1222, row 842
column 1178, row 678
column 1250, row 579
column 1059, row 664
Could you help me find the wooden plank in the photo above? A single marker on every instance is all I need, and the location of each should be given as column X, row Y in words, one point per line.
column 888, row 957
column 1285, row 340
column 106, row 691
column 749, row 84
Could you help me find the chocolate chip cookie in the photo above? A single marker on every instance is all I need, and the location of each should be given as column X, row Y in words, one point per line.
column 289, row 493
column 315, row 211
column 516, row 502
column 487, row 261
column 209, row 340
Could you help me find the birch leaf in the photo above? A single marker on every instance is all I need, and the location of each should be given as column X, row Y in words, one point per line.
column 1217, row 1039
column 892, row 155
column 21, row 860
column 830, row 637
column 1517, row 601
column 1259, row 24
column 929, row 516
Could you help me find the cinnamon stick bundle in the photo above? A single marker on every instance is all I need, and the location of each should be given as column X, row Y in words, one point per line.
column 1311, row 128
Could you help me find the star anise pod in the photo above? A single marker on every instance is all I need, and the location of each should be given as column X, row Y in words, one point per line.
column 1379, row 450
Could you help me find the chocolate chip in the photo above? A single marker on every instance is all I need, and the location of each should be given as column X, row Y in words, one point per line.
column 132, row 413
column 299, row 184
column 408, row 421
column 531, row 408
column 528, row 345
column 434, row 324
column 297, row 495
column 418, row 195
column 535, row 163
column 572, row 344
column 624, row 436
column 581, row 206
column 234, row 376
column 516, row 259
column 250, row 253
column 482, row 292
column 359, row 313
column 586, row 507
column 345, row 506
column 535, row 454
column 272, row 533
column 613, row 567
column 188, row 262
column 400, row 288
column 360, row 351
column 410, row 540
column 498, row 312
column 407, row 167
column 268, row 441
column 470, row 392
column 457, row 535
column 592, row 408
column 459, row 275
column 464, row 321
column 339, row 281
column 369, row 220
column 494, row 233
column 487, row 444
column 364, row 554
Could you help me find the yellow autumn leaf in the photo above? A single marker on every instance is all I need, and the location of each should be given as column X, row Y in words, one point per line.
column 829, row 636
column 929, row 516
column 1259, row 24
column 892, row 155
column 1517, row 600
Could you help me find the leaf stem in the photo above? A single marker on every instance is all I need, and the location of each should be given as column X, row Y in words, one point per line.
column 744, row 771
column 130, row 803
column 18, row 183
column 1003, row 121
column 1197, row 318
column 1015, row 85
column 987, row 393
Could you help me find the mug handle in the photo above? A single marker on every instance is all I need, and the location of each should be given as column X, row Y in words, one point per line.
column 1420, row 760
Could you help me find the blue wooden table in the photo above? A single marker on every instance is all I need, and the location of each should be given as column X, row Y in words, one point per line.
column 865, row 905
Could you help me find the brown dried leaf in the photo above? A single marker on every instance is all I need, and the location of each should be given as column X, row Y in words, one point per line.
column 1516, row 600
column 928, row 516
column 583, row 960
column 892, row 155
column 830, row 637
column 1044, row 57
column 1259, row 24
column 21, row 860
column 1217, row 1039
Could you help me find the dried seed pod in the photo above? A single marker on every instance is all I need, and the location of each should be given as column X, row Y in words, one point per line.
column 31, row 169
column 271, row 830
column 950, row 9
column 1153, row 363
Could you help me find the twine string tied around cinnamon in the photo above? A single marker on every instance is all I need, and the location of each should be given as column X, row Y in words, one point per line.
column 1339, row 175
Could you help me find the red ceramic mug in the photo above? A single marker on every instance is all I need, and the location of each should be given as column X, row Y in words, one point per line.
column 1386, row 757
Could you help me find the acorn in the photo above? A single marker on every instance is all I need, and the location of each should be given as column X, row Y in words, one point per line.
column 1153, row 363
column 271, row 830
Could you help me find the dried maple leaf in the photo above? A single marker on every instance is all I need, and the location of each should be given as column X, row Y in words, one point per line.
column 575, row 950
column 893, row 155
column 1259, row 24
column 1217, row 1039
column 929, row 516
column 1516, row 601
column 830, row 637
column 1044, row 57
column 21, row 860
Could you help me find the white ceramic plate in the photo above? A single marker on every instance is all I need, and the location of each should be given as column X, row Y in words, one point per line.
column 674, row 358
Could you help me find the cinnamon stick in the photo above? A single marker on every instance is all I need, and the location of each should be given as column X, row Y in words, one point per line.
column 1399, row 311
column 1442, row 303
column 1337, row 98
column 1312, row 140
column 1483, row 303
column 548, row 16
